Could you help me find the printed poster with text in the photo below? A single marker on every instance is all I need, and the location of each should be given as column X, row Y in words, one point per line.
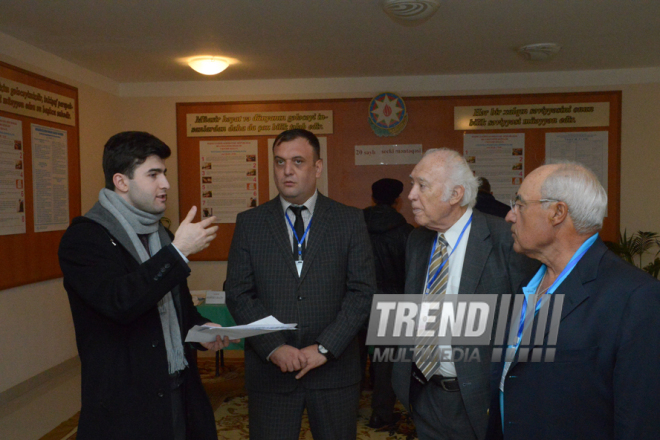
column 500, row 158
column 229, row 181
column 12, row 179
column 588, row 148
column 50, row 178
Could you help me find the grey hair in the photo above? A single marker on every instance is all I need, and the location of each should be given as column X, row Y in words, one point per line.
column 458, row 173
column 578, row 187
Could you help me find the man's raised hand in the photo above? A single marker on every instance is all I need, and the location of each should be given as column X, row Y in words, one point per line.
column 191, row 238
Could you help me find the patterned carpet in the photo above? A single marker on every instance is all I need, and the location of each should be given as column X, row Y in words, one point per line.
column 229, row 401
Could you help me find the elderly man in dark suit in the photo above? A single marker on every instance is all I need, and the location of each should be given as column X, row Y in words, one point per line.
column 603, row 381
column 125, row 276
column 304, row 259
column 450, row 400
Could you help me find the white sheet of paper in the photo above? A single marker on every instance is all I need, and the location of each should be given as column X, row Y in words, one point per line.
column 205, row 333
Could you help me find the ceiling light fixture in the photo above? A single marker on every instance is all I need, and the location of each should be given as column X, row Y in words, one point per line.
column 539, row 52
column 208, row 65
column 411, row 10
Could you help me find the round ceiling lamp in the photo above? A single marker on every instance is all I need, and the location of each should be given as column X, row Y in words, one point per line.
column 411, row 10
column 539, row 52
column 208, row 65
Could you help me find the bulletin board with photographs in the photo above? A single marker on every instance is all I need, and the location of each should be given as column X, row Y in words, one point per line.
column 39, row 173
column 430, row 124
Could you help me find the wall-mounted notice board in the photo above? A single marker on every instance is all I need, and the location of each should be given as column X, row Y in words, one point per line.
column 431, row 124
column 39, row 173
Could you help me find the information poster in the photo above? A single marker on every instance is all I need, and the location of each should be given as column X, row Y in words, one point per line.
column 588, row 148
column 33, row 102
column 257, row 123
column 50, row 178
column 500, row 158
column 388, row 154
column 503, row 117
column 12, row 177
column 229, row 180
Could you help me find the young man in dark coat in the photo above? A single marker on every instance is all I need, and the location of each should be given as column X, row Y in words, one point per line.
column 125, row 276
column 388, row 231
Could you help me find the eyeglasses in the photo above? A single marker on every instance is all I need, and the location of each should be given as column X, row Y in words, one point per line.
column 516, row 200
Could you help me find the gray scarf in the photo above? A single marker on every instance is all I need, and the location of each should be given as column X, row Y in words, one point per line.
column 133, row 221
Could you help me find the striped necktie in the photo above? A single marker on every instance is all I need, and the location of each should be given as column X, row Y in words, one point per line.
column 426, row 350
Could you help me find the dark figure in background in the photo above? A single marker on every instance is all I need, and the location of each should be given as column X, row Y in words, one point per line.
column 125, row 275
column 487, row 203
column 389, row 232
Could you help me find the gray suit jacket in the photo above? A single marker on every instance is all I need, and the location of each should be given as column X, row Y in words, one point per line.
column 490, row 267
column 329, row 301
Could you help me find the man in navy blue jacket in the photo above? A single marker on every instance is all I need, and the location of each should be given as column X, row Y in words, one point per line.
column 603, row 381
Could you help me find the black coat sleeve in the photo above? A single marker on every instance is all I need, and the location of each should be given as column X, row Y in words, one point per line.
column 109, row 280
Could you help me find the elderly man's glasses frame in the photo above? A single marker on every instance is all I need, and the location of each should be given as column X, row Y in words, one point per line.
column 516, row 200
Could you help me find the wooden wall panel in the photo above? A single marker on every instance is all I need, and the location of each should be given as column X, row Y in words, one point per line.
column 430, row 123
column 32, row 257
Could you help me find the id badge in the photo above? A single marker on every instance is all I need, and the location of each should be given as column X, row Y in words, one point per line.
column 299, row 265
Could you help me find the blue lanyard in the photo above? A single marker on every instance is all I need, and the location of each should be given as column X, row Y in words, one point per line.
column 301, row 240
column 571, row 264
column 429, row 282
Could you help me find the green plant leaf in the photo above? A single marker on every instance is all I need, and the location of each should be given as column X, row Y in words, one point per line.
column 625, row 247
column 653, row 268
column 643, row 241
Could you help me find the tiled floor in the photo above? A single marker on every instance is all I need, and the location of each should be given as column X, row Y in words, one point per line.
column 36, row 413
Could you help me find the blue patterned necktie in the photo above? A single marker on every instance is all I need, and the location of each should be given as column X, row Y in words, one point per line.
column 426, row 349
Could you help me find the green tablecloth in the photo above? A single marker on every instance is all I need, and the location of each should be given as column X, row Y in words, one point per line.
column 219, row 314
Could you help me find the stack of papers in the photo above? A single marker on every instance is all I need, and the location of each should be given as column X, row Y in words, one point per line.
column 206, row 333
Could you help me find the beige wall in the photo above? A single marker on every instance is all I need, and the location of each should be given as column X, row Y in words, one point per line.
column 36, row 330
column 640, row 159
column 35, row 322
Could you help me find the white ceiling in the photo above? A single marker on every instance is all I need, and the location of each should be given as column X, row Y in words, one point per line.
column 144, row 40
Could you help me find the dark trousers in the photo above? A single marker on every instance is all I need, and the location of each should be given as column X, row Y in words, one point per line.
column 439, row 414
column 277, row 416
column 383, row 398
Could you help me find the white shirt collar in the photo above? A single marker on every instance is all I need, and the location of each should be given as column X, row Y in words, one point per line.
column 452, row 234
column 309, row 204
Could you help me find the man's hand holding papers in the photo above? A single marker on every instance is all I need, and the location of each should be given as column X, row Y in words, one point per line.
column 207, row 333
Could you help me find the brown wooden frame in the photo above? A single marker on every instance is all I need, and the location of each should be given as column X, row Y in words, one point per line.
column 32, row 257
column 430, row 123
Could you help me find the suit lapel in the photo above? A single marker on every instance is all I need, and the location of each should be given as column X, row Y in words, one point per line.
column 585, row 271
column 277, row 226
column 320, row 220
column 419, row 264
column 476, row 255
column 574, row 295
column 573, row 287
column 478, row 248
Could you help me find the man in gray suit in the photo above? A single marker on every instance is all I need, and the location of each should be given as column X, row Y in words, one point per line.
column 304, row 259
column 474, row 255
